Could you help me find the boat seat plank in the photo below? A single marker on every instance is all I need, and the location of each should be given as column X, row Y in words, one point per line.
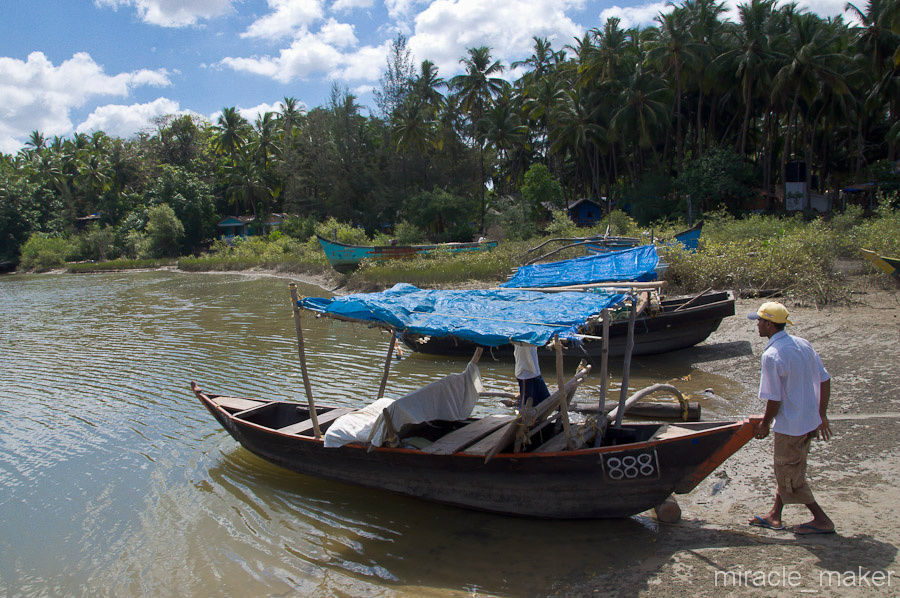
column 234, row 404
column 670, row 431
column 468, row 434
column 487, row 443
column 306, row 425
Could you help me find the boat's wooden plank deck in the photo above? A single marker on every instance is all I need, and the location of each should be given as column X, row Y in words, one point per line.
column 468, row 434
column 324, row 418
column 234, row 404
column 487, row 443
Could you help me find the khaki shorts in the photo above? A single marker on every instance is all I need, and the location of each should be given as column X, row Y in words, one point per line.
column 790, row 468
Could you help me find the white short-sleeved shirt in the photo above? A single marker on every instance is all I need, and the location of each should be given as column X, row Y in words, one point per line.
column 527, row 365
column 791, row 374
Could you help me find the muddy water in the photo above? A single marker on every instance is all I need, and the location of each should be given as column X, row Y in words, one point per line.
column 115, row 481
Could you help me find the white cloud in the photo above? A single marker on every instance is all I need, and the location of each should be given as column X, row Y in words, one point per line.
column 349, row 5
column 287, row 17
column 125, row 121
column 36, row 95
column 366, row 64
column 173, row 13
column 642, row 15
column 308, row 54
column 447, row 28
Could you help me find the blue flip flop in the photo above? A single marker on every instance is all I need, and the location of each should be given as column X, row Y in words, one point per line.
column 761, row 522
column 808, row 530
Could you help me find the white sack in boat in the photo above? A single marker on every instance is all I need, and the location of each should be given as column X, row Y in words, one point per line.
column 451, row 398
column 356, row 426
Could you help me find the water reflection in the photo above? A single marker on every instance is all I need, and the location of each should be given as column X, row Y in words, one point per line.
column 116, row 482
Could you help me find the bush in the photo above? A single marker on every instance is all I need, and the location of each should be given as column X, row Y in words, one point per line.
column 164, row 232
column 406, row 233
column 42, row 252
column 97, row 244
column 299, row 227
column 720, row 177
column 333, row 230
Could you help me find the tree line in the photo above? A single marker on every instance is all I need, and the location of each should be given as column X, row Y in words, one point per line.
column 697, row 105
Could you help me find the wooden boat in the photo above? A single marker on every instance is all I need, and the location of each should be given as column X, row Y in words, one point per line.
column 345, row 258
column 680, row 323
column 690, row 238
column 888, row 265
column 636, row 469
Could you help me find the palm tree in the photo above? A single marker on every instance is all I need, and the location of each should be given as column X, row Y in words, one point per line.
column 289, row 119
column 751, row 57
column 671, row 48
column 810, row 63
column 476, row 90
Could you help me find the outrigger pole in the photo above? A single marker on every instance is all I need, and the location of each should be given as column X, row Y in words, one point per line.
column 309, row 397
column 636, row 307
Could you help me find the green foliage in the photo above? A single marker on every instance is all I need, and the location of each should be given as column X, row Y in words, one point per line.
column 299, row 227
column 650, row 199
column 540, row 187
column 42, row 252
column 191, row 200
column 278, row 252
column 406, row 233
column 164, row 232
column 721, row 177
column 562, row 226
column 96, row 243
column 440, row 269
column 513, row 219
column 333, row 230
column 446, row 217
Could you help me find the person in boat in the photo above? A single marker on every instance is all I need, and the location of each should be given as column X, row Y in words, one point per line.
column 796, row 388
column 528, row 374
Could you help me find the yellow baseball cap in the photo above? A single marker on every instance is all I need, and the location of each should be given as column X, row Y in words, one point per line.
column 773, row 312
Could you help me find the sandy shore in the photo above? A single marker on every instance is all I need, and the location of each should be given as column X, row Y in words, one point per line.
column 855, row 476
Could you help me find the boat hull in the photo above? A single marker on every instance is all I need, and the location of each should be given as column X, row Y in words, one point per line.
column 670, row 330
column 346, row 258
column 614, row 481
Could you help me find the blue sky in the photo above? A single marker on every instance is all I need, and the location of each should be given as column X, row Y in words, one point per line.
column 71, row 66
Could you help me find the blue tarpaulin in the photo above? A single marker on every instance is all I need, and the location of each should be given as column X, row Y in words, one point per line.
column 636, row 264
column 487, row 317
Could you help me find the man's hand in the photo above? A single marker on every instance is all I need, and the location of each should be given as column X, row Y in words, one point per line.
column 823, row 432
column 762, row 429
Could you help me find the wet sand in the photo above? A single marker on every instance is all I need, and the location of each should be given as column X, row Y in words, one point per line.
column 855, row 476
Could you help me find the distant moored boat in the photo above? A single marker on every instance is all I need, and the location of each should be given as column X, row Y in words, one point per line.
column 345, row 258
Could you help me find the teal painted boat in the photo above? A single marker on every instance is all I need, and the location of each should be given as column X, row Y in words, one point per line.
column 345, row 258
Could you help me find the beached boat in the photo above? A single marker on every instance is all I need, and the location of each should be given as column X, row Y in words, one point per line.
column 345, row 258
column 689, row 239
column 640, row 467
column 679, row 323
column 426, row 444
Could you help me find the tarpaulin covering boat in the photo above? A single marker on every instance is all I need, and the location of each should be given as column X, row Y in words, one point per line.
column 637, row 264
column 490, row 317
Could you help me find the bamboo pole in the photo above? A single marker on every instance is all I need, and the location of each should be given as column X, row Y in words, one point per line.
column 604, row 360
column 561, row 386
column 309, row 396
column 654, row 284
column 602, row 419
column 387, row 364
column 626, row 368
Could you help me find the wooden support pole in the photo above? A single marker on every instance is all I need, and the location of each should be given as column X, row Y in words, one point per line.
column 309, row 396
column 561, row 387
column 626, row 368
column 387, row 364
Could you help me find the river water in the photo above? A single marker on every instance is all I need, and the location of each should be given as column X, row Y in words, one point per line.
column 115, row 481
